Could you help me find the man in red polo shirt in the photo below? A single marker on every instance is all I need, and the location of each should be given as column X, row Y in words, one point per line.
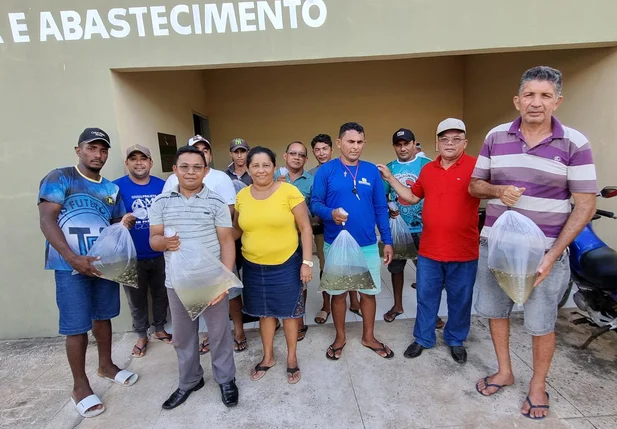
column 449, row 252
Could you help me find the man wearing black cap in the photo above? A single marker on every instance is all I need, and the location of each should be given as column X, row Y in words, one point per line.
column 238, row 170
column 138, row 189
column 239, row 175
column 75, row 205
column 406, row 169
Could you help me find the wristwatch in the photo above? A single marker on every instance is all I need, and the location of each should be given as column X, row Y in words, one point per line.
column 308, row 263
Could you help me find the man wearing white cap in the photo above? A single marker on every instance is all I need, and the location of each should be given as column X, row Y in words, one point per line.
column 448, row 254
column 215, row 180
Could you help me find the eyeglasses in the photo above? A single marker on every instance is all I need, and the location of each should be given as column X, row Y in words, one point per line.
column 185, row 168
column 300, row 154
column 455, row 140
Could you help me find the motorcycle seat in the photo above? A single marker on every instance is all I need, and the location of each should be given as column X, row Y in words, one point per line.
column 600, row 268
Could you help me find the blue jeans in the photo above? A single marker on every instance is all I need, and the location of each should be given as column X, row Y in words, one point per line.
column 458, row 278
column 82, row 299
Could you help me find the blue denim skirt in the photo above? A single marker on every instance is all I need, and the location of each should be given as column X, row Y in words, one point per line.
column 273, row 290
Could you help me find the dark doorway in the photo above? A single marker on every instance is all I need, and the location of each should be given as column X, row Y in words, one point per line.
column 201, row 125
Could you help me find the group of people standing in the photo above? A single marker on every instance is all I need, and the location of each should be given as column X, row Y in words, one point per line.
column 263, row 229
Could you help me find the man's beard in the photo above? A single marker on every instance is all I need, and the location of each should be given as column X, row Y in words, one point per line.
column 94, row 169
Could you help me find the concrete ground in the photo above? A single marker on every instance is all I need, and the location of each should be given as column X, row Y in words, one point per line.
column 361, row 390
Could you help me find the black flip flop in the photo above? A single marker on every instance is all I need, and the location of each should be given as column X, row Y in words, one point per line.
column 532, row 406
column 334, row 350
column 356, row 311
column 302, row 331
column 487, row 385
column 142, row 351
column 239, row 345
column 381, row 349
column 203, row 345
column 392, row 314
column 163, row 339
column 260, row 368
column 292, row 371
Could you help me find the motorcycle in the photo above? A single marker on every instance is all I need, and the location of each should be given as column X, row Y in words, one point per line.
column 593, row 268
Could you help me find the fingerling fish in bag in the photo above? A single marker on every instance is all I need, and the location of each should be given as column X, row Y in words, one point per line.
column 198, row 277
column 118, row 257
column 515, row 250
column 346, row 267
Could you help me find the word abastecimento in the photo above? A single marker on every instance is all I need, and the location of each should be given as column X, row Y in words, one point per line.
column 182, row 19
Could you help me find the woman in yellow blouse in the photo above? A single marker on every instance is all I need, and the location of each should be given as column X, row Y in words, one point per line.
column 275, row 266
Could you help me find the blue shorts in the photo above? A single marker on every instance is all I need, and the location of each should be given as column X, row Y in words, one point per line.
column 82, row 299
column 373, row 260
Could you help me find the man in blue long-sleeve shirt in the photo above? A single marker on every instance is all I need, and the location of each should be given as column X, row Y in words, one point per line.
column 356, row 187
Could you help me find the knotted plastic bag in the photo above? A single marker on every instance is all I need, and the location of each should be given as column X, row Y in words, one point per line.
column 118, row 257
column 515, row 251
column 198, row 277
column 346, row 267
column 404, row 246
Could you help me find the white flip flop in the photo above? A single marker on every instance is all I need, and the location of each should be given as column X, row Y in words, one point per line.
column 122, row 377
column 88, row 402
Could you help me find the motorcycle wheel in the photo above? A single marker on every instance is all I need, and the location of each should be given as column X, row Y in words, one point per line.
column 566, row 295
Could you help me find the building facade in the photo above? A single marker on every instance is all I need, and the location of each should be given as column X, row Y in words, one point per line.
column 271, row 72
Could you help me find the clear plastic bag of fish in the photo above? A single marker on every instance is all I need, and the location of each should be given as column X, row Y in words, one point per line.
column 118, row 257
column 346, row 267
column 515, row 251
column 404, row 246
column 198, row 277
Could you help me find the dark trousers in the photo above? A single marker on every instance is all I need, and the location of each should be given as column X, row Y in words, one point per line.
column 150, row 276
column 239, row 257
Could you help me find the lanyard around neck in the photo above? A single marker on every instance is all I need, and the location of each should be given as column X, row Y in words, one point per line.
column 353, row 176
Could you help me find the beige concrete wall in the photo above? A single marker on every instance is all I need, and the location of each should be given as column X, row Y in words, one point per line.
column 274, row 106
column 158, row 102
column 41, row 121
column 145, row 104
column 590, row 104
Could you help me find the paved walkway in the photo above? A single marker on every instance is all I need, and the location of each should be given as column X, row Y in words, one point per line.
column 359, row 391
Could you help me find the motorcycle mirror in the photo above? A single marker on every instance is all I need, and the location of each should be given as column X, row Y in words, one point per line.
column 609, row 192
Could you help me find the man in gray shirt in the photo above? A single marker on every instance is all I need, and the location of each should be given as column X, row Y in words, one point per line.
column 200, row 216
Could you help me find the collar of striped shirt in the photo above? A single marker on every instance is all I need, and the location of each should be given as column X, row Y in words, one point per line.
column 201, row 194
column 557, row 127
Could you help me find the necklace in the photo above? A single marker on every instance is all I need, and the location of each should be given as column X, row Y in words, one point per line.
column 353, row 176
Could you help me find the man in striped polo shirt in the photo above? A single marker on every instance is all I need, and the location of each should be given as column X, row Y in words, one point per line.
column 199, row 217
column 533, row 165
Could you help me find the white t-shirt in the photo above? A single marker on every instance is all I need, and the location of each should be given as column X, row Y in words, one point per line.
column 216, row 180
